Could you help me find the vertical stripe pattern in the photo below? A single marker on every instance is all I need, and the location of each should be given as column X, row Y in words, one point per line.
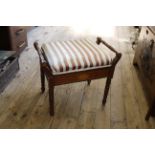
column 72, row 55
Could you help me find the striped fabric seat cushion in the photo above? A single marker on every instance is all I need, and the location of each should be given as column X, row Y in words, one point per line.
column 76, row 55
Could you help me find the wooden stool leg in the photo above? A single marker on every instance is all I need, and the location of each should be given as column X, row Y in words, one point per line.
column 106, row 90
column 89, row 81
column 147, row 117
column 51, row 99
column 42, row 81
column 151, row 111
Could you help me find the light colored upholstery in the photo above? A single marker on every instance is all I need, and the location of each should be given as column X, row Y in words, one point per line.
column 76, row 55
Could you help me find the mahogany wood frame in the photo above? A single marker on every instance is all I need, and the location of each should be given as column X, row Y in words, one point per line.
column 54, row 80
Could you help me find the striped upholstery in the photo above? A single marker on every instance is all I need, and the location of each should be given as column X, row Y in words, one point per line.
column 76, row 55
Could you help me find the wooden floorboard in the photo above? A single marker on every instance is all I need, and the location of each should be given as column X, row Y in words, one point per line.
column 77, row 105
column 139, row 91
column 118, row 112
column 128, row 90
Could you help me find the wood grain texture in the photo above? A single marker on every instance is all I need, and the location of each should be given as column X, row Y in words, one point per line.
column 77, row 105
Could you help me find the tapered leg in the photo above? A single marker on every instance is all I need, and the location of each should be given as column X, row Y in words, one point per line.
column 106, row 90
column 89, row 81
column 151, row 111
column 148, row 115
column 135, row 60
column 51, row 99
column 42, row 81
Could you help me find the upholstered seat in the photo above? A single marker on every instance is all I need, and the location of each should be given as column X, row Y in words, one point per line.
column 64, row 62
column 76, row 55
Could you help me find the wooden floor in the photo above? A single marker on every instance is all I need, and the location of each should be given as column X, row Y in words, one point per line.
column 77, row 105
